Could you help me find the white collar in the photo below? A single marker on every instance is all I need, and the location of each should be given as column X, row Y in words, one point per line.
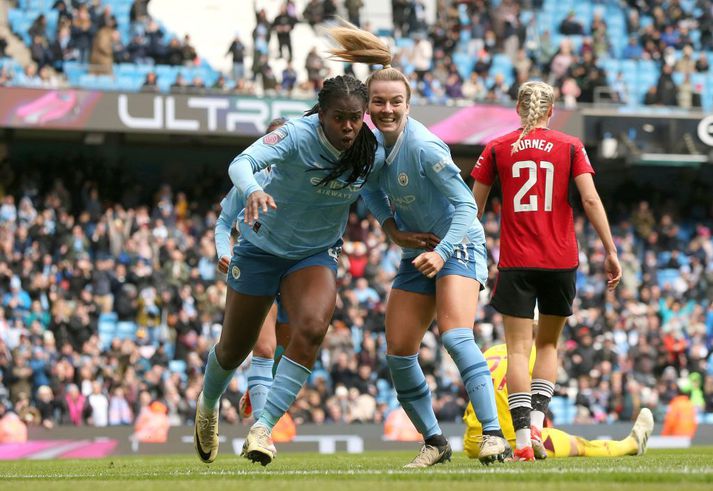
column 397, row 146
column 325, row 141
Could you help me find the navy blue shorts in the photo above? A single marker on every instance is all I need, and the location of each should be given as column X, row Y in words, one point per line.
column 253, row 271
column 469, row 260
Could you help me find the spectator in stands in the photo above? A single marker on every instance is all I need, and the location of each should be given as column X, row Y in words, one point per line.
column 283, row 25
column 156, row 49
column 354, row 11
column 702, row 65
column 454, row 84
column 150, row 83
column 39, row 52
column 174, row 53
column 99, row 404
column 268, row 79
column 119, row 409
column 139, row 12
column 651, row 97
column 685, row 93
column 63, row 13
column 474, row 88
column 666, row 89
column 62, row 49
column 562, row 60
column 102, row 57
column 313, row 13
column 119, row 51
column 619, row 89
column 82, row 33
column 138, row 51
column 686, row 63
column 188, row 52
column 571, row 26
column 220, row 85
column 329, row 10
column 179, row 85
column 632, row 50
column 39, row 28
column 315, row 69
column 289, row 79
column 237, row 51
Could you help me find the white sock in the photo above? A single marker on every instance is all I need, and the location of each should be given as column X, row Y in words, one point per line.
column 523, row 438
column 537, row 419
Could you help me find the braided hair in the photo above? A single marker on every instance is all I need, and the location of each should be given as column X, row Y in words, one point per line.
column 359, row 157
column 534, row 100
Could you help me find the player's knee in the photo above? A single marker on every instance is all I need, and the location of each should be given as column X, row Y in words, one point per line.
column 311, row 330
column 264, row 349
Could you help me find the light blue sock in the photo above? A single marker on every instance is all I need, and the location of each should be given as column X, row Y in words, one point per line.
column 474, row 371
column 259, row 383
column 413, row 393
column 215, row 381
column 289, row 379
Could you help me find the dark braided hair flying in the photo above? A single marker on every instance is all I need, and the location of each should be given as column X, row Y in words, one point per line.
column 359, row 158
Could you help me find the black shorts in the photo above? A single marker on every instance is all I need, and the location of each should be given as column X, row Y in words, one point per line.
column 517, row 290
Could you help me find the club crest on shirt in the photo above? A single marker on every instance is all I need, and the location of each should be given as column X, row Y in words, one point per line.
column 274, row 138
column 235, row 271
column 403, row 179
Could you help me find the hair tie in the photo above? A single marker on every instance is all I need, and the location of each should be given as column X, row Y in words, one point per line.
column 388, row 65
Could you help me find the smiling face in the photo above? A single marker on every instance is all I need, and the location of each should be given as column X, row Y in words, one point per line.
column 389, row 107
column 342, row 120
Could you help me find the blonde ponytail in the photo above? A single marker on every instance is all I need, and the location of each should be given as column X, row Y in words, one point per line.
column 534, row 100
column 354, row 45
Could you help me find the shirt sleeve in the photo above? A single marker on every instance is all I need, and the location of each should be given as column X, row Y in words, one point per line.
column 230, row 207
column 376, row 199
column 580, row 160
column 271, row 149
column 438, row 166
column 484, row 170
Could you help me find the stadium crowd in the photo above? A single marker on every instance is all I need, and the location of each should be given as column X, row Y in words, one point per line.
column 476, row 50
column 110, row 304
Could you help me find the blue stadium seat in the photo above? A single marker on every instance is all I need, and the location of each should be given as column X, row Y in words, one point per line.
column 177, row 366
column 126, row 330
column 563, row 410
column 667, row 276
column 404, row 42
column 73, row 70
column 106, row 326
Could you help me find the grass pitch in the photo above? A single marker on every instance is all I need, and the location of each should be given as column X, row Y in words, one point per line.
column 686, row 470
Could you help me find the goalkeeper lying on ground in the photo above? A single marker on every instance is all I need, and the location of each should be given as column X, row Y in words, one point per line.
column 557, row 442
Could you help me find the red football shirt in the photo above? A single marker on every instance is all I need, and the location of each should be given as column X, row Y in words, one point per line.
column 537, row 227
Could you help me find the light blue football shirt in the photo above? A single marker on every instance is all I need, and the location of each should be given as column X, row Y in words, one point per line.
column 427, row 192
column 309, row 217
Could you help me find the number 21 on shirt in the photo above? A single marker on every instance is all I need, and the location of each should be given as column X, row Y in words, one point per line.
column 531, row 168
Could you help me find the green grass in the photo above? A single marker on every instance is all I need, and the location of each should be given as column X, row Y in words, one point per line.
column 686, row 470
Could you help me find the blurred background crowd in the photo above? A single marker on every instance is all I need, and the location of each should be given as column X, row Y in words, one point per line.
column 111, row 301
column 636, row 52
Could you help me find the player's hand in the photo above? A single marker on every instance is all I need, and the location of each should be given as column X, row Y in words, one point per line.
column 613, row 271
column 258, row 201
column 415, row 240
column 223, row 264
column 429, row 263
